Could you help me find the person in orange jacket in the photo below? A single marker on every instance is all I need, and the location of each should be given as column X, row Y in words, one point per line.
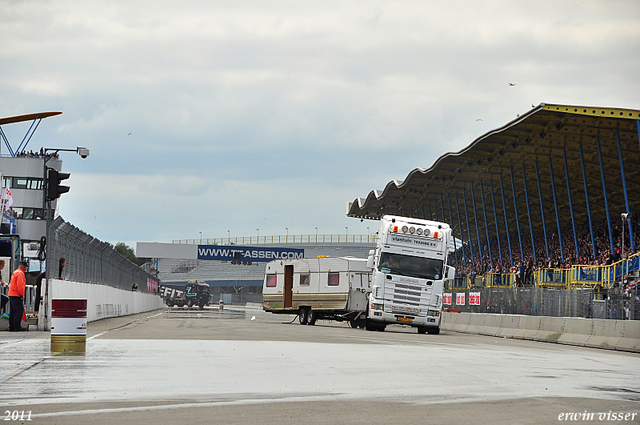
column 16, row 297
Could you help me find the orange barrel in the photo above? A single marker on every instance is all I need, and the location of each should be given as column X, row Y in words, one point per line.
column 68, row 326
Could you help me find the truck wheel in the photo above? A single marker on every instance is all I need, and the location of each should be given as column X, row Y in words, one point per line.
column 312, row 316
column 302, row 316
column 169, row 302
column 434, row 331
column 381, row 327
column 190, row 303
column 353, row 323
column 422, row 329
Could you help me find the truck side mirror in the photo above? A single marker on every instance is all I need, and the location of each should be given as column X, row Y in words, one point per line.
column 450, row 272
column 370, row 258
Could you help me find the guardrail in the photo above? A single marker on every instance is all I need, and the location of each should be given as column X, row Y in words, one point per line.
column 281, row 239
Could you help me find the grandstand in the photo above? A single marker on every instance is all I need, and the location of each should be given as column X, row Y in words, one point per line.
column 549, row 185
column 553, row 195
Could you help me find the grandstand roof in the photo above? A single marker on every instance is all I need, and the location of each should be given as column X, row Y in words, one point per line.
column 538, row 143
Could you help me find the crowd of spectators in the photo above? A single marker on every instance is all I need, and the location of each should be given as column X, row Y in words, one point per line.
column 40, row 154
column 498, row 259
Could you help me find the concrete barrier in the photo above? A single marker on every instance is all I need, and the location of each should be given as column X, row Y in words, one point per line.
column 576, row 331
column 630, row 340
column 606, row 333
column 476, row 322
column 102, row 301
column 457, row 322
column 510, row 325
column 528, row 327
column 621, row 335
column 492, row 325
column 551, row 328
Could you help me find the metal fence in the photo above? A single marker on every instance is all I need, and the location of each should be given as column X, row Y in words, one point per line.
column 283, row 239
column 90, row 260
column 537, row 301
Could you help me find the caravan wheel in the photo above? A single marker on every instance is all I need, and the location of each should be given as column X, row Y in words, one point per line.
column 302, row 316
column 312, row 316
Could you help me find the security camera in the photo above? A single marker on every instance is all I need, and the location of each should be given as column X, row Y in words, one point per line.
column 83, row 152
column 624, row 216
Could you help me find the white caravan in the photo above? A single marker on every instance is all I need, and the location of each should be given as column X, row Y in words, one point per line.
column 333, row 288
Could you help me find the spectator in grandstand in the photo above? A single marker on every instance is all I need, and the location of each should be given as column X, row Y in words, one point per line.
column 16, row 297
column 61, row 264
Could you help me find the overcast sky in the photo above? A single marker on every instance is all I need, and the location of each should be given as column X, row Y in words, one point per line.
column 225, row 117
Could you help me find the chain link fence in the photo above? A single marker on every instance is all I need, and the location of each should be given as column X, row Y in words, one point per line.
column 536, row 301
column 90, row 260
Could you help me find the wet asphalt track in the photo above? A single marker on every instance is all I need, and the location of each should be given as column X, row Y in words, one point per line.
column 246, row 366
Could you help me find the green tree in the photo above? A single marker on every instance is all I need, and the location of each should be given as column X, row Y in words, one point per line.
column 127, row 252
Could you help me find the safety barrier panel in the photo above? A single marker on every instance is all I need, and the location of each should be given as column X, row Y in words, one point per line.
column 509, row 326
column 528, row 327
column 622, row 335
column 492, row 325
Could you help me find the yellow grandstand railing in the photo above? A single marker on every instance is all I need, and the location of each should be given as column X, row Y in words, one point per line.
column 281, row 239
column 500, row 280
column 459, row 283
column 617, row 271
column 552, row 278
column 587, row 276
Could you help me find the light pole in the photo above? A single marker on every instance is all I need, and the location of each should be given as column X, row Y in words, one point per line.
column 229, row 236
column 200, row 238
column 46, row 203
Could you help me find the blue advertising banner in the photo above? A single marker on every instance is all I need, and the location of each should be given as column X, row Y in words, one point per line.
column 247, row 253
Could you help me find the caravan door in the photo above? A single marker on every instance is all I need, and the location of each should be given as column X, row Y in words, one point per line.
column 288, row 286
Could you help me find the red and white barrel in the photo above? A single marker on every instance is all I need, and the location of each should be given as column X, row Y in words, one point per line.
column 68, row 326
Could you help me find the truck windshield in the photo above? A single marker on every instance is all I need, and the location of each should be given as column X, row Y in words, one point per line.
column 404, row 265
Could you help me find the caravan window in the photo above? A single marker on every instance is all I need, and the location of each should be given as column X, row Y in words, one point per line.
column 272, row 280
column 334, row 279
column 304, row 279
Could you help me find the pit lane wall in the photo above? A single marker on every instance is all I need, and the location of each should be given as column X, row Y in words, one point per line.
column 103, row 301
column 622, row 335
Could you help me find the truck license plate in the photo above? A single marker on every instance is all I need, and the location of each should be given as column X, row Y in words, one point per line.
column 405, row 319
